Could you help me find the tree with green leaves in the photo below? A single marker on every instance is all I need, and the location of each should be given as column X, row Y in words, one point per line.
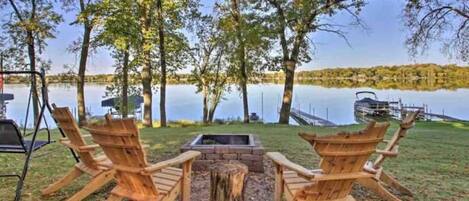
column 156, row 33
column 144, row 12
column 125, row 69
column 120, row 32
column 89, row 15
column 210, row 73
column 248, row 40
column 29, row 25
column 171, row 18
column 443, row 21
column 293, row 22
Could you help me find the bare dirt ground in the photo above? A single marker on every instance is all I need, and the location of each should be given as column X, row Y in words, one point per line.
column 260, row 187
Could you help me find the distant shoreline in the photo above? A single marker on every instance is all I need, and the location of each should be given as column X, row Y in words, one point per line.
column 418, row 76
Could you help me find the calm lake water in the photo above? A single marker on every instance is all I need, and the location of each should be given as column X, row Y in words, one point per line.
column 335, row 104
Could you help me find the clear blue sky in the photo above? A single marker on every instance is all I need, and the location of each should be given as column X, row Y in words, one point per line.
column 381, row 44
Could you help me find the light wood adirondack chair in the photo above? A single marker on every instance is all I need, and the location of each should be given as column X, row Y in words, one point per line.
column 89, row 163
column 136, row 179
column 375, row 167
column 342, row 159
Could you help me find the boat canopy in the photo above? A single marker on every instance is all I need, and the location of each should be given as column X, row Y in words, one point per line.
column 366, row 92
column 112, row 102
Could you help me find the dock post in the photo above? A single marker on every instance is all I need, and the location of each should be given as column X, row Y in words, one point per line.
column 327, row 113
column 262, row 105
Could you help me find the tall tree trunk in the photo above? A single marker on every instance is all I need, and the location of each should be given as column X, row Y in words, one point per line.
column 32, row 67
column 125, row 82
column 205, row 95
column 242, row 58
column 81, row 74
column 146, row 70
column 289, row 67
column 159, row 5
column 213, row 105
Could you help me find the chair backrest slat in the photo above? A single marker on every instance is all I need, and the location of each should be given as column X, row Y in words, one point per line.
column 120, row 141
column 342, row 153
column 69, row 126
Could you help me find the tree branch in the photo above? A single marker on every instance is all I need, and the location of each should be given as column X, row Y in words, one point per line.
column 282, row 23
column 18, row 14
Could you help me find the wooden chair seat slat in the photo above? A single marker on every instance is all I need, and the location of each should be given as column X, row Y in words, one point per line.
column 293, row 183
column 294, row 180
column 164, row 187
column 167, row 176
column 164, row 181
column 174, row 172
column 177, row 170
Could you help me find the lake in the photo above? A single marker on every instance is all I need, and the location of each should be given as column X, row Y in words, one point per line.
column 183, row 103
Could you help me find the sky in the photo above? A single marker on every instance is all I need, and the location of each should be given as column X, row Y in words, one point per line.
column 382, row 43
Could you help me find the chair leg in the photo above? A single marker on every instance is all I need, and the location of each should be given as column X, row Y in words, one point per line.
column 186, row 181
column 64, row 181
column 95, row 184
column 389, row 180
column 278, row 183
column 376, row 187
column 113, row 197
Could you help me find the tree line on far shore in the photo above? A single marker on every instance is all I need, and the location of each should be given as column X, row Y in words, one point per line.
column 405, row 77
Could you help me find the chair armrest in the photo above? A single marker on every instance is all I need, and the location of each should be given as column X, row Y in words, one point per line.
column 281, row 160
column 66, row 142
column 392, row 153
column 86, row 148
column 342, row 176
column 182, row 158
column 90, row 147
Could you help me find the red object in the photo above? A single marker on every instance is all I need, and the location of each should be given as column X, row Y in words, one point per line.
column 1, row 83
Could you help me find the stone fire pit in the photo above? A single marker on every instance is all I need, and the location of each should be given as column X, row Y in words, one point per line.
column 245, row 148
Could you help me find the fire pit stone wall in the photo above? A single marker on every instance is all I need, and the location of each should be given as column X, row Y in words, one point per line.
column 250, row 153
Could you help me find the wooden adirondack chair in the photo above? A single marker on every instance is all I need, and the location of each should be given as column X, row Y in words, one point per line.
column 89, row 163
column 342, row 159
column 375, row 167
column 136, row 179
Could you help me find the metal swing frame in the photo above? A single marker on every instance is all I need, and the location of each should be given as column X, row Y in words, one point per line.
column 44, row 105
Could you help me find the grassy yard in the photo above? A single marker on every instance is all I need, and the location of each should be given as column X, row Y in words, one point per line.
column 433, row 160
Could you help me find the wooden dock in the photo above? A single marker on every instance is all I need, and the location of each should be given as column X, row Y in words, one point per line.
column 424, row 113
column 441, row 116
column 304, row 118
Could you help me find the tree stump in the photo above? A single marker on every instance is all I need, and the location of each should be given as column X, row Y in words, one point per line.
column 227, row 181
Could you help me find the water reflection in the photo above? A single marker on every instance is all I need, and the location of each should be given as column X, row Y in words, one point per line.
column 334, row 104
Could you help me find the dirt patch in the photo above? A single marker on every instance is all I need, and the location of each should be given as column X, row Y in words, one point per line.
column 260, row 187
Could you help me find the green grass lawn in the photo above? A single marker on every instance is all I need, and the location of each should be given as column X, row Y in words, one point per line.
column 433, row 160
